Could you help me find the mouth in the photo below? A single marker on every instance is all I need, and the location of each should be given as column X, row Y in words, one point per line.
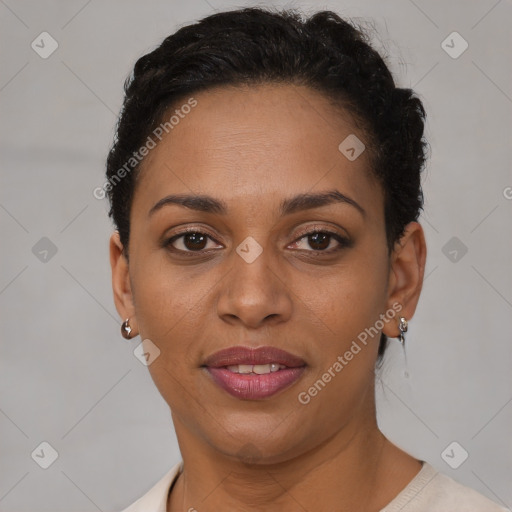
column 254, row 374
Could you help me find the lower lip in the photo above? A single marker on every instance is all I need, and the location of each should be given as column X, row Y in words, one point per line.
column 254, row 387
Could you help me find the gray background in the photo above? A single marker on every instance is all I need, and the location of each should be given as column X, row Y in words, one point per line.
column 66, row 375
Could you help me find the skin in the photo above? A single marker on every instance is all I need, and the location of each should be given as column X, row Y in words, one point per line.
column 253, row 147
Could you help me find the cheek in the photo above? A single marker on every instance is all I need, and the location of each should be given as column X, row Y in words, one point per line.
column 347, row 299
column 167, row 306
column 162, row 295
column 167, row 310
column 346, row 308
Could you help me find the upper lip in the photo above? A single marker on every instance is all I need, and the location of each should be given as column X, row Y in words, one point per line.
column 251, row 356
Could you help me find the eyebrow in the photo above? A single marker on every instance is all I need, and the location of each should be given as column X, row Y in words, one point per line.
column 288, row 206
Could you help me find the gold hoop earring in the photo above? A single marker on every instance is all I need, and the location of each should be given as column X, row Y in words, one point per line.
column 126, row 330
column 402, row 327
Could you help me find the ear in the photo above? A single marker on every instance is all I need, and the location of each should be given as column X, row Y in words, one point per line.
column 407, row 269
column 121, row 285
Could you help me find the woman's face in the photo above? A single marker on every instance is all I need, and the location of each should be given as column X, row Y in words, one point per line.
column 251, row 276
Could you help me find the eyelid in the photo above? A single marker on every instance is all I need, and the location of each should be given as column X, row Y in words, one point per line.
column 343, row 240
column 321, row 229
column 168, row 240
column 300, row 234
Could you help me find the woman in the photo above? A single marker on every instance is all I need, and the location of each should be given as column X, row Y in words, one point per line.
column 265, row 187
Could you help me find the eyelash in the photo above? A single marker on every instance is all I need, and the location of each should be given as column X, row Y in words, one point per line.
column 343, row 241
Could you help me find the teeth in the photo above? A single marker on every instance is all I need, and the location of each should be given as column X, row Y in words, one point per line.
column 261, row 369
column 257, row 369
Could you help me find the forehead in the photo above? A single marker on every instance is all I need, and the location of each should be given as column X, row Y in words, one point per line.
column 256, row 142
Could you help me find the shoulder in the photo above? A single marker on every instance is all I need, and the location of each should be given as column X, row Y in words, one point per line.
column 431, row 490
column 452, row 495
column 155, row 500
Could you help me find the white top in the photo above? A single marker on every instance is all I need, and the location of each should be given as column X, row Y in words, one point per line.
column 428, row 491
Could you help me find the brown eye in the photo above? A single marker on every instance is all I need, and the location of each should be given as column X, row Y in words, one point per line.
column 189, row 241
column 194, row 241
column 319, row 241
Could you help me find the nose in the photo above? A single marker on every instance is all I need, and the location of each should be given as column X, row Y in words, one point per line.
column 255, row 291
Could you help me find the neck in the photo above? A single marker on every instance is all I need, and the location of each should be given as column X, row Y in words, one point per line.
column 355, row 469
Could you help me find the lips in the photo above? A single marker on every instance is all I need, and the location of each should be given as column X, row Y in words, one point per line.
column 254, row 386
column 245, row 355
